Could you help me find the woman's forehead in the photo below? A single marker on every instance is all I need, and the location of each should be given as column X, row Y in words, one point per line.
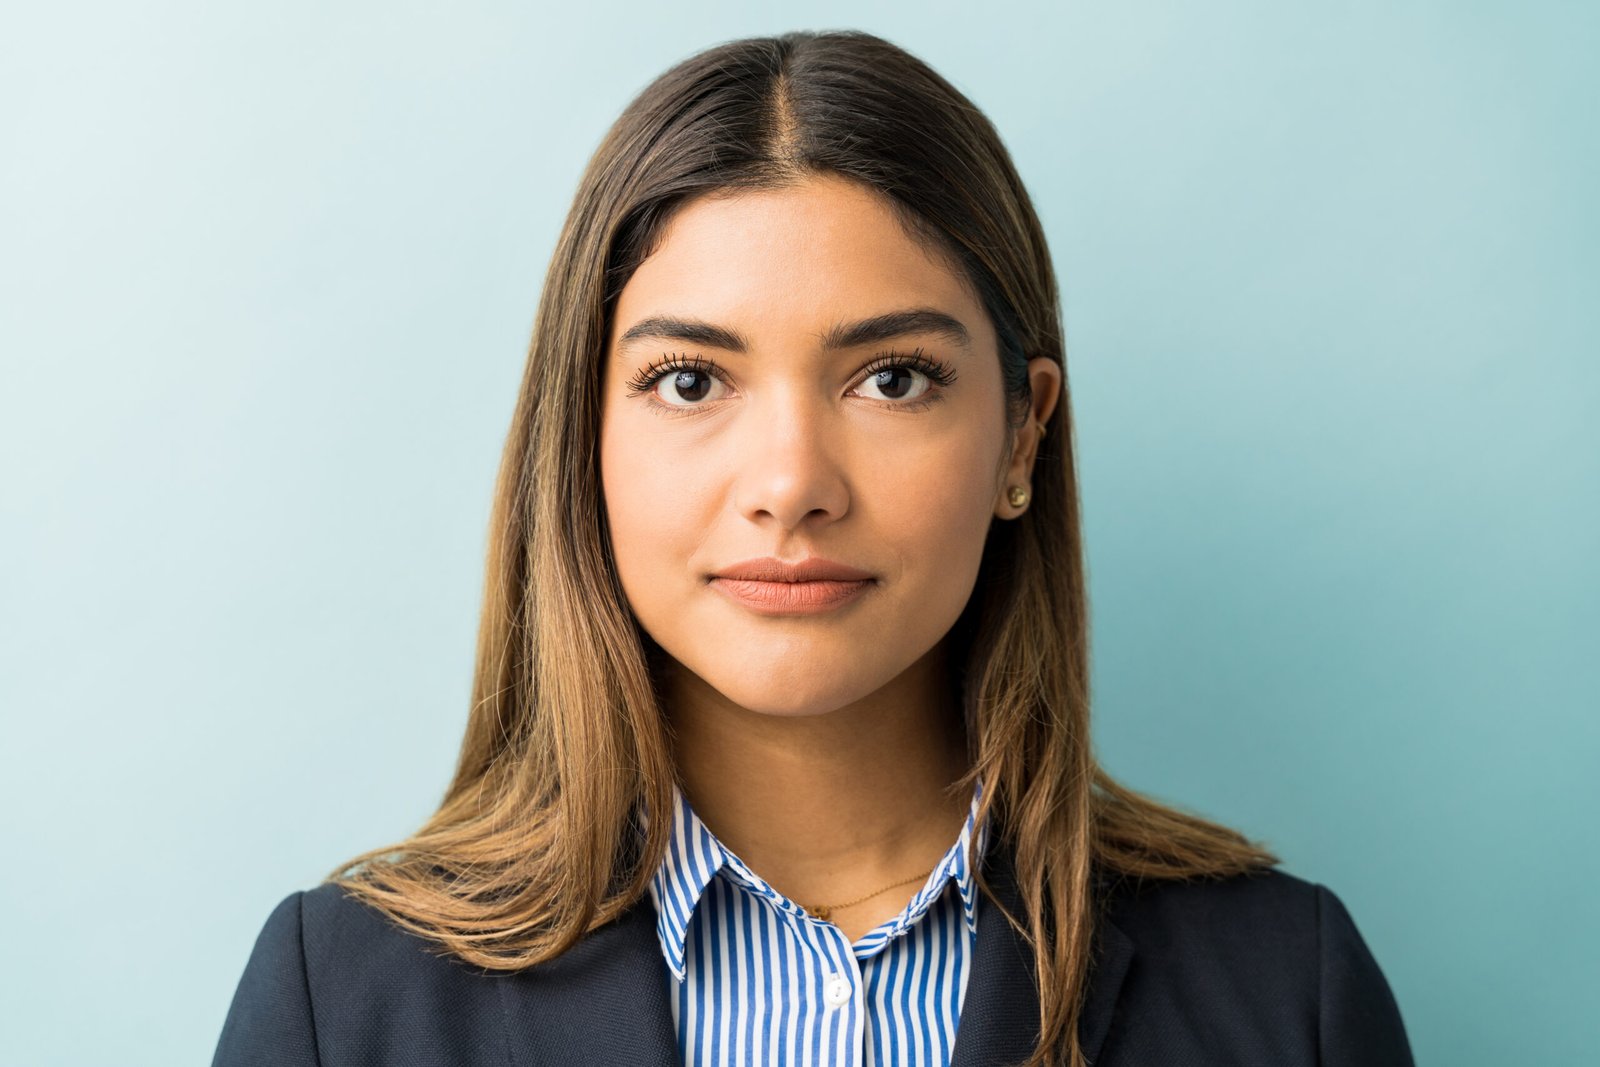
column 804, row 261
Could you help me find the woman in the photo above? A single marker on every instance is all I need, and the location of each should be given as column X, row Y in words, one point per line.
column 779, row 745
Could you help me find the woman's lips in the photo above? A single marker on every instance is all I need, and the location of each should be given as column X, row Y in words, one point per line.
column 790, row 598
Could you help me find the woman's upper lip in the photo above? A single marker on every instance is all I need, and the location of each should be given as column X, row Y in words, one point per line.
column 810, row 569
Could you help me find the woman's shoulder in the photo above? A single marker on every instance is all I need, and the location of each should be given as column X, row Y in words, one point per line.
column 1270, row 896
column 337, row 921
column 1262, row 950
column 330, row 923
column 347, row 940
column 333, row 979
column 1266, row 919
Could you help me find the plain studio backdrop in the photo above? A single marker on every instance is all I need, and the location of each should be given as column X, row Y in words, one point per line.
column 1331, row 282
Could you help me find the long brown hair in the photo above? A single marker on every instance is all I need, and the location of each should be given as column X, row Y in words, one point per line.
column 533, row 843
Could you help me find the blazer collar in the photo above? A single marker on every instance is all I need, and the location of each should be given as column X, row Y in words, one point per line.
column 604, row 1001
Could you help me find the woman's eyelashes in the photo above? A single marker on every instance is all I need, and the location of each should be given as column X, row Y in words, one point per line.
column 680, row 373
column 907, row 381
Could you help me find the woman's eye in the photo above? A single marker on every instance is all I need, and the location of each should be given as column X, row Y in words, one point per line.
column 898, row 382
column 689, row 387
column 909, row 382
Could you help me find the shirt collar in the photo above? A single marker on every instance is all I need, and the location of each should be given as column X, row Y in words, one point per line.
column 694, row 856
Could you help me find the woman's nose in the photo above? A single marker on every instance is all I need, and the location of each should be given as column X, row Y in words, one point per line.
column 790, row 464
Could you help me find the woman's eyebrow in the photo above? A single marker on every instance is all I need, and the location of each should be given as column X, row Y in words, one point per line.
column 869, row 331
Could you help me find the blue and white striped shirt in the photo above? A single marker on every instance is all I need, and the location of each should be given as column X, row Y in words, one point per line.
column 760, row 981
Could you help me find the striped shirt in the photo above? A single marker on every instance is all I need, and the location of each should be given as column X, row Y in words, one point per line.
column 760, row 981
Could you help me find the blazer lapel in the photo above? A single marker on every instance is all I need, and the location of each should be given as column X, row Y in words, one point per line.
column 604, row 1001
column 1000, row 1015
column 1112, row 952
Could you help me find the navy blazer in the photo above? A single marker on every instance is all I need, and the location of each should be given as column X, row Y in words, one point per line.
column 1266, row 969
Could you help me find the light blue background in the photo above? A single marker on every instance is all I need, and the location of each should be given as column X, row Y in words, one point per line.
column 1332, row 291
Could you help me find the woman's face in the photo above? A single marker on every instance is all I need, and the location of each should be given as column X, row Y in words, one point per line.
column 745, row 416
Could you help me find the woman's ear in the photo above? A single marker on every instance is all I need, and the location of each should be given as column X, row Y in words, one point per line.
column 1044, row 378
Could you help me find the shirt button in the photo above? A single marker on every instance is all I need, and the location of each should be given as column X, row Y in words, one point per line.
column 836, row 990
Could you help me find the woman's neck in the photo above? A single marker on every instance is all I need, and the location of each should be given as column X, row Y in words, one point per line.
column 832, row 806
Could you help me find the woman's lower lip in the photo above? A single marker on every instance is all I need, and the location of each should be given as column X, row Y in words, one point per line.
column 790, row 598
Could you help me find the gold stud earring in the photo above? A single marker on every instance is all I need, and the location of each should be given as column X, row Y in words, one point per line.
column 1018, row 496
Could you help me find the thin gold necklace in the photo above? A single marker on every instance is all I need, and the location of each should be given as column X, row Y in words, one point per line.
column 825, row 911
